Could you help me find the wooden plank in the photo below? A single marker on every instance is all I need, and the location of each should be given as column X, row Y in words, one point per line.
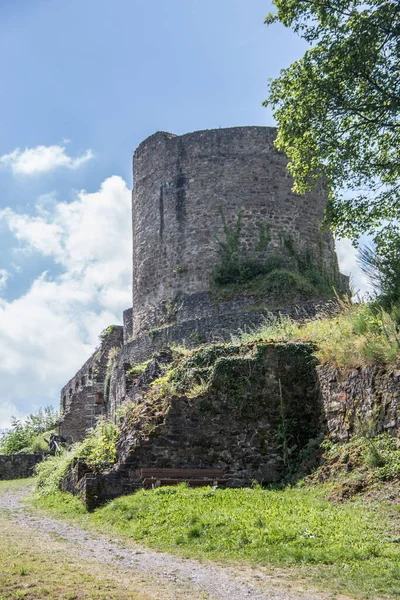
column 181, row 473
column 157, row 481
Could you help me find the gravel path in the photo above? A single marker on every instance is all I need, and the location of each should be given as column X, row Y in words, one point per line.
column 214, row 581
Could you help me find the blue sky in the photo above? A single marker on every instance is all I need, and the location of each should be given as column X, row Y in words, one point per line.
column 83, row 83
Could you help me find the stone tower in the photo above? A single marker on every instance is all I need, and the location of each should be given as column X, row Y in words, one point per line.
column 185, row 188
column 191, row 194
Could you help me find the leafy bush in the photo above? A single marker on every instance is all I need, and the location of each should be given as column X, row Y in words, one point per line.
column 242, row 270
column 136, row 369
column 28, row 435
column 238, row 271
column 106, row 332
column 97, row 450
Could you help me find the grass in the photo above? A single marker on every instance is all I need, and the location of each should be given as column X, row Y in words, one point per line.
column 349, row 548
column 15, row 484
column 359, row 334
column 97, row 450
column 39, row 565
column 364, row 464
column 35, row 566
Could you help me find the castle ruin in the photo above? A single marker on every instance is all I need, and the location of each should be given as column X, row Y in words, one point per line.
column 201, row 203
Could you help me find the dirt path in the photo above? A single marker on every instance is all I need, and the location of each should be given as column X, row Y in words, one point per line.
column 211, row 581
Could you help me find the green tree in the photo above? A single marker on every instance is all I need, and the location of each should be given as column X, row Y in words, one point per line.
column 339, row 107
column 27, row 435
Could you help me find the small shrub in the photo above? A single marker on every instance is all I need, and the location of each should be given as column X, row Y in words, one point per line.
column 28, row 435
column 374, row 458
column 98, row 450
column 136, row 369
column 107, row 331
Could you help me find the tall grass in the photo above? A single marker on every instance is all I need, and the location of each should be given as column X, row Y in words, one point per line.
column 360, row 334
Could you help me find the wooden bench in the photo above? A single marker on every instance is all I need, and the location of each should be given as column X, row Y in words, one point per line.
column 154, row 477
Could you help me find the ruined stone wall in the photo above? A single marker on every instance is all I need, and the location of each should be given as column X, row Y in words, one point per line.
column 82, row 399
column 355, row 400
column 18, row 466
column 260, row 408
column 181, row 186
column 260, row 398
column 221, row 325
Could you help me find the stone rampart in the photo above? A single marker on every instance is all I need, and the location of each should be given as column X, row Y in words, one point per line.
column 261, row 397
column 18, row 466
column 82, row 399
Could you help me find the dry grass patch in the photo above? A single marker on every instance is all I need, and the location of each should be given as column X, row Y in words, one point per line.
column 36, row 566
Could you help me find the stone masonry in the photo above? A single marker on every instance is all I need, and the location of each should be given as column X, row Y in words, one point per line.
column 82, row 398
column 187, row 191
column 18, row 466
column 184, row 186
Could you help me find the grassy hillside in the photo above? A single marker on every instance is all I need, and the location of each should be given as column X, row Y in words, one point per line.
column 349, row 547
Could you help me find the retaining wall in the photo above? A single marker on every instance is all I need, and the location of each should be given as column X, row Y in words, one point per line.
column 18, row 466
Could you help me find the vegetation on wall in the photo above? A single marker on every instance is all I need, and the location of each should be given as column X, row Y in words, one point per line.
column 107, row 331
column 30, row 434
column 363, row 463
column 97, row 450
column 359, row 334
column 284, row 275
column 111, row 363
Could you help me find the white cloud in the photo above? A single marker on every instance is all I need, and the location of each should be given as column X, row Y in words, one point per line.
column 348, row 264
column 7, row 410
column 34, row 232
column 47, row 334
column 3, row 279
column 42, row 159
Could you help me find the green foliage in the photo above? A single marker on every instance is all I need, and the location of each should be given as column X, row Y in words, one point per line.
column 348, row 547
column 360, row 334
column 97, row 450
column 383, row 270
column 107, row 331
column 28, row 435
column 51, row 471
column 154, row 334
column 312, row 268
column 285, row 276
column 365, row 459
column 136, row 369
column 383, row 457
column 338, row 107
column 235, row 265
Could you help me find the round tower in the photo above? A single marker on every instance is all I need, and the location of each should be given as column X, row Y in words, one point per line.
column 192, row 193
